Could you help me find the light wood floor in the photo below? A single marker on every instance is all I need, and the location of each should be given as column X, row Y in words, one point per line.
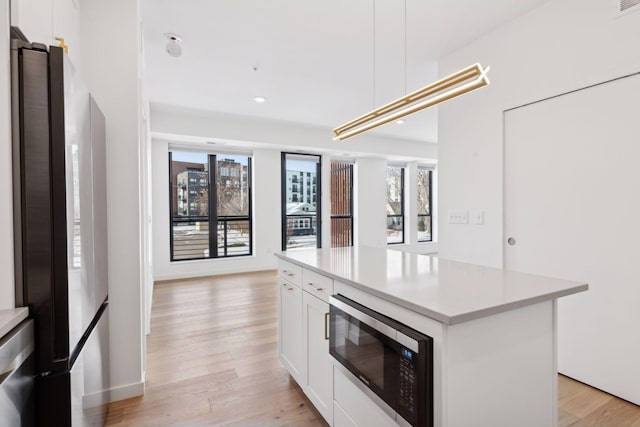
column 212, row 361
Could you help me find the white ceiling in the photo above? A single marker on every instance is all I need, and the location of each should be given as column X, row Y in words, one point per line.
column 314, row 58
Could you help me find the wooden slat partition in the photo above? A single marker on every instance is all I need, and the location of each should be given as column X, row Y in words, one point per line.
column 341, row 204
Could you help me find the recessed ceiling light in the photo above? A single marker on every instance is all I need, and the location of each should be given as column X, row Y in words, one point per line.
column 399, row 122
column 259, row 99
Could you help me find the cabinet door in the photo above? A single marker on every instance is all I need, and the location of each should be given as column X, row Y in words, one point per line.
column 319, row 384
column 291, row 339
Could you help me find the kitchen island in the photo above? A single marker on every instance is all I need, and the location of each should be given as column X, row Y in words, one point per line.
column 493, row 331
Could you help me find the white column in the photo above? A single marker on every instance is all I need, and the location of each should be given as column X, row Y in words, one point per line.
column 111, row 60
column 371, row 200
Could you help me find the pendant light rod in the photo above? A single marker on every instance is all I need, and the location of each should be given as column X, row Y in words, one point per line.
column 405, row 47
column 459, row 83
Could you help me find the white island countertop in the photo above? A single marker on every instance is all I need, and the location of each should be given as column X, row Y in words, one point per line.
column 10, row 318
column 448, row 291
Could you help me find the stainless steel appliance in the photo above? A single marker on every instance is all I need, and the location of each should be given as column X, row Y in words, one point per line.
column 16, row 376
column 60, row 202
column 388, row 361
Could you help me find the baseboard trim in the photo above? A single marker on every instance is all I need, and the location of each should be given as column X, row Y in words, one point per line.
column 216, row 272
column 127, row 391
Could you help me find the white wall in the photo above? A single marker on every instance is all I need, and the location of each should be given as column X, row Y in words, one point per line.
column 266, row 220
column 110, row 51
column 192, row 123
column 7, row 297
column 44, row 20
column 560, row 46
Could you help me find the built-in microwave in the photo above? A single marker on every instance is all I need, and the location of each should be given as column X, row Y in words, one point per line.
column 390, row 362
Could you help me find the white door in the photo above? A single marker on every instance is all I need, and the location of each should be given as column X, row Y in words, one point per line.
column 319, row 384
column 572, row 207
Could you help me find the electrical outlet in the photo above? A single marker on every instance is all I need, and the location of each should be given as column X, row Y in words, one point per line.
column 458, row 217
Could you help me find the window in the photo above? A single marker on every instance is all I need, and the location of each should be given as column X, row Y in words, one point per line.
column 341, row 204
column 424, row 205
column 300, row 209
column 209, row 217
column 395, row 205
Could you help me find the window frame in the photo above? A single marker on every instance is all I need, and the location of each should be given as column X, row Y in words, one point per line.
column 213, row 216
column 430, row 214
column 283, row 197
column 402, row 209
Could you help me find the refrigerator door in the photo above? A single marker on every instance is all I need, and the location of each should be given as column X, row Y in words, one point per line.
column 79, row 397
column 84, row 301
column 40, row 274
column 90, row 378
column 100, row 238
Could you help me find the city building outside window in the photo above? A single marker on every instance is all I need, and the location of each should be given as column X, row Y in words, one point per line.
column 210, row 216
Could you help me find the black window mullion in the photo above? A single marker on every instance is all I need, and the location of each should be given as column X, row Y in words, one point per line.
column 250, row 196
column 171, row 213
column 402, row 201
column 318, row 202
column 213, row 208
column 226, row 246
column 351, row 201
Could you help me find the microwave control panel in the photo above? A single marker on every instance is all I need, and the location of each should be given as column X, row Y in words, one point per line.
column 408, row 389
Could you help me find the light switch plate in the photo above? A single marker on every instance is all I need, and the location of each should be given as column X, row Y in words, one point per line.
column 458, row 217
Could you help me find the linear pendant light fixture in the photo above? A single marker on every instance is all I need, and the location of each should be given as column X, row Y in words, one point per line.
column 464, row 81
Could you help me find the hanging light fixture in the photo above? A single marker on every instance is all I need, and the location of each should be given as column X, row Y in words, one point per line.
column 459, row 83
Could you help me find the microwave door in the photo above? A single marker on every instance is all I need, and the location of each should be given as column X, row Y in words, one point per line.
column 367, row 353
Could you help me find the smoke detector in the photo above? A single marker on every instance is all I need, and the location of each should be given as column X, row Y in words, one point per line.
column 173, row 45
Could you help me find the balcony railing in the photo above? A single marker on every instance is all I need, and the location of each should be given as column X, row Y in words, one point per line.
column 190, row 237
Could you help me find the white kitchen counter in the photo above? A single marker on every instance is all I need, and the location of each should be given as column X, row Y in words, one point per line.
column 450, row 292
column 10, row 318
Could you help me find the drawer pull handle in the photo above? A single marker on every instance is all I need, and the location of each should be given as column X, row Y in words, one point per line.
column 326, row 329
column 289, row 289
column 314, row 287
column 287, row 272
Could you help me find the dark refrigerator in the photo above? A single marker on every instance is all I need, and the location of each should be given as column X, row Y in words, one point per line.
column 60, row 233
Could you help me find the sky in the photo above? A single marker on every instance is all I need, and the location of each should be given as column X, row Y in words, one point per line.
column 193, row 157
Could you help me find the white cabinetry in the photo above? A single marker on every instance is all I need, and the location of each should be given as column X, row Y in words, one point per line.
column 290, row 325
column 303, row 329
column 354, row 408
column 319, row 379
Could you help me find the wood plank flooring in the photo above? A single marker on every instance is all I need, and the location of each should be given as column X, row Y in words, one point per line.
column 212, row 362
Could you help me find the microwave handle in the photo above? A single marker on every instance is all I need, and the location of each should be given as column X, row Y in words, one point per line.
column 364, row 318
column 326, row 326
